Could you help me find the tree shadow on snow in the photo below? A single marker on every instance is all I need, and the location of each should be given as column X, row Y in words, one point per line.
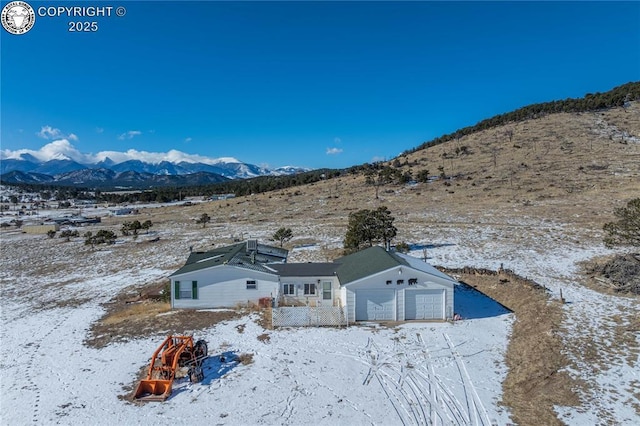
column 471, row 303
column 428, row 247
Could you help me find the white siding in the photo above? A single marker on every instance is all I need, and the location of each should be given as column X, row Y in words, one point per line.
column 351, row 305
column 225, row 286
column 376, row 304
column 310, row 300
column 424, row 280
column 400, row 305
column 424, row 304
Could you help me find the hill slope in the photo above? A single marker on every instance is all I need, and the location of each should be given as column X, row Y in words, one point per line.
column 571, row 167
column 534, row 203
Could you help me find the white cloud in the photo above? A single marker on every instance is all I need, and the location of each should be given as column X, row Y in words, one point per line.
column 188, row 140
column 60, row 149
column 63, row 149
column 130, row 134
column 48, row 132
column 334, row 151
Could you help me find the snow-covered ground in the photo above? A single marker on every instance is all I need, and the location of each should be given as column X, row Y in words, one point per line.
column 549, row 253
column 417, row 373
column 359, row 375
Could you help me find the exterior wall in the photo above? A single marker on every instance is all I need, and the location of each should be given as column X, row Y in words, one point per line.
column 351, row 304
column 378, row 281
column 400, row 298
column 225, row 287
column 311, row 300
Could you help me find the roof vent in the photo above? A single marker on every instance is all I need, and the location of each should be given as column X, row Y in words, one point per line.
column 252, row 245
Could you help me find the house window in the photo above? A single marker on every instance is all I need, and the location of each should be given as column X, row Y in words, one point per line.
column 326, row 290
column 309, row 289
column 186, row 289
column 289, row 289
column 400, row 282
column 413, row 281
column 251, row 285
column 389, row 282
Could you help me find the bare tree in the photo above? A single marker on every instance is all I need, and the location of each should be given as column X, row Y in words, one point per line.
column 509, row 133
column 494, row 155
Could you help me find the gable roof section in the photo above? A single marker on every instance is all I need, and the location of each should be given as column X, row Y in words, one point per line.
column 305, row 269
column 207, row 259
column 237, row 255
column 272, row 260
column 366, row 262
column 425, row 267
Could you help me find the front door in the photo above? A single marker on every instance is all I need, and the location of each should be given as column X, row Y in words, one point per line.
column 326, row 290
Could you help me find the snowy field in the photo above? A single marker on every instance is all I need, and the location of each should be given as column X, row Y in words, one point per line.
column 416, row 373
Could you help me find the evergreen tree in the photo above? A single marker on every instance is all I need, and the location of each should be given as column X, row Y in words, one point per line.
column 204, row 219
column 282, row 235
column 367, row 227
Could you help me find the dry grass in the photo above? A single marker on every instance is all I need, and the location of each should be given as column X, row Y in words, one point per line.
column 264, row 338
column 570, row 169
column 562, row 167
column 266, row 319
column 245, row 358
column 534, row 383
column 125, row 321
column 135, row 311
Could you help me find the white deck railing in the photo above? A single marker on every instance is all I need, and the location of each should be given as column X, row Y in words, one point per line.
column 307, row 316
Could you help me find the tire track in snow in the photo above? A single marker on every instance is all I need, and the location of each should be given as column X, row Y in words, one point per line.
column 391, row 391
column 439, row 390
column 480, row 415
column 414, row 389
column 411, row 399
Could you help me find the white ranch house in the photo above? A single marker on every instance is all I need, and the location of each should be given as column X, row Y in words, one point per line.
column 371, row 285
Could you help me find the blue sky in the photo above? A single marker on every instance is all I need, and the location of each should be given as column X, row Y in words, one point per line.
column 314, row 84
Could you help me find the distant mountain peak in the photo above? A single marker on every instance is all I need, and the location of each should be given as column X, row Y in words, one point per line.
column 174, row 168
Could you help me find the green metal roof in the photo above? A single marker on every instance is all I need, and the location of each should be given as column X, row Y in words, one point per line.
column 207, row 259
column 305, row 269
column 366, row 262
column 236, row 254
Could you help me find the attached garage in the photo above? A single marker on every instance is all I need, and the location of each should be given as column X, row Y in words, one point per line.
column 382, row 285
column 375, row 305
column 422, row 304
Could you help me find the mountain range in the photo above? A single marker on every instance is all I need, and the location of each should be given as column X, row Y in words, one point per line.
column 132, row 173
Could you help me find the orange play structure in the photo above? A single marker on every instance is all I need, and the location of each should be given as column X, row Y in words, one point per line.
column 175, row 352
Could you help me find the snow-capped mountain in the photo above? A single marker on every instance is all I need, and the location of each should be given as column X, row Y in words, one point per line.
column 59, row 162
column 65, row 169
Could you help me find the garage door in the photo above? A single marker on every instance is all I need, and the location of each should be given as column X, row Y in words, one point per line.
column 424, row 304
column 375, row 305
